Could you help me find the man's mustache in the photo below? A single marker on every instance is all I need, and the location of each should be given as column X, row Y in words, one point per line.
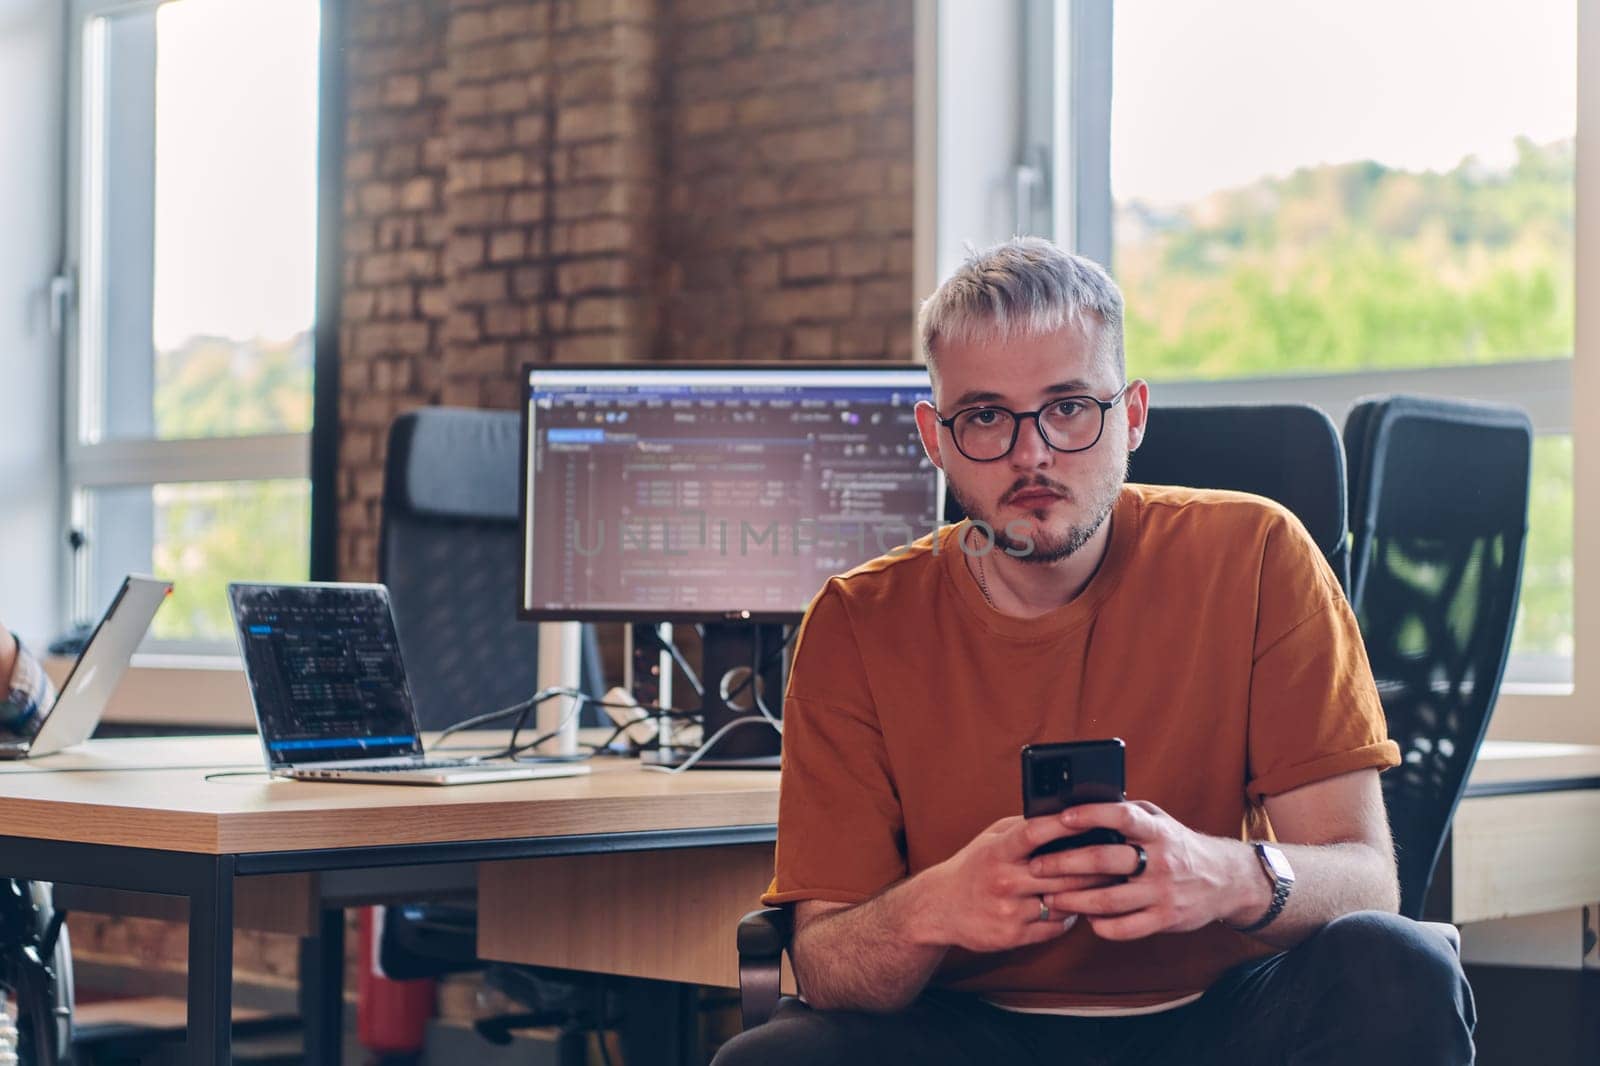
column 1029, row 484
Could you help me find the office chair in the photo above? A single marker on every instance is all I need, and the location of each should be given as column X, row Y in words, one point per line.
column 1439, row 509
column 1287, row 452
column 448, row 551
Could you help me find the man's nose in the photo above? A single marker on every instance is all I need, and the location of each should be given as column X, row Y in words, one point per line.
column 1030, row 452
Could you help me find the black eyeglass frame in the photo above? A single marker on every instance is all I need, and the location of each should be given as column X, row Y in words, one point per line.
column 1018, row 416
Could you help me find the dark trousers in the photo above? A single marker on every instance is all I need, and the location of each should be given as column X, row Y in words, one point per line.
column 1369, row 989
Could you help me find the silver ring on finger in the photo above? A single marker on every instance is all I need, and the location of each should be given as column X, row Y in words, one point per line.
column 1044, row 910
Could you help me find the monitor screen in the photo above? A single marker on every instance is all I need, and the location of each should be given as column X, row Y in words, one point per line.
column 715, row 493
column 323, row 663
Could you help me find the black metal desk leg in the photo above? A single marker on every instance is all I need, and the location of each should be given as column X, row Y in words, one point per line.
column 322, row 990
column 210, row 1032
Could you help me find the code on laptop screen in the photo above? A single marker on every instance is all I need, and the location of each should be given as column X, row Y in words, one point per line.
column 325, row 672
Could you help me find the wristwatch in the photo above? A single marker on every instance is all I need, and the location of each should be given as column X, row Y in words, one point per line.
column 1281, row 875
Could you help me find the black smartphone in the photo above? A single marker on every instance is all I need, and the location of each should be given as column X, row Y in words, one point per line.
column 1058, row 776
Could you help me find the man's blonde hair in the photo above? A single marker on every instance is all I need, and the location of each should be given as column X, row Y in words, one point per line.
column 1022, row 288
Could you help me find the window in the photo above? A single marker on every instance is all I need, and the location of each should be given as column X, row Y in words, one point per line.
column 1323, row 201
column 193, row 238
column 1296, row 192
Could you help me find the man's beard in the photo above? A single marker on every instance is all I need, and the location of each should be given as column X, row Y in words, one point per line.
column 1042, row 546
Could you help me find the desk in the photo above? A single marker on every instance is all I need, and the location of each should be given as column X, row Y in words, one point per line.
column 617, row 852
column 107, row 823
column 1524, row 839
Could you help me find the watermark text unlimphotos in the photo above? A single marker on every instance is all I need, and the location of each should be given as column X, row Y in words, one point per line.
column 693, row 532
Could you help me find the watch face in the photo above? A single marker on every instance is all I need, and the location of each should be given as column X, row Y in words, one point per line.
column 1277, row 862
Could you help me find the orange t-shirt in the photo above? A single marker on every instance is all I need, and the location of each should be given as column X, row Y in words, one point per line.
column 1214, row 640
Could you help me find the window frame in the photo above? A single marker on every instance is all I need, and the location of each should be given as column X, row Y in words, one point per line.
column 87, row 463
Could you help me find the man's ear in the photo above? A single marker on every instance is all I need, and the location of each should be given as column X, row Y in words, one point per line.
column 1137, row 402
column 928, row 430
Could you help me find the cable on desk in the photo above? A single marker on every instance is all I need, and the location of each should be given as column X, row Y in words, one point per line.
column 604, row 747
column 520, row 708
column 758, row 664
column 238, row 773
column 651, row 709
column 771, row 657
column 515, row 750
column 683, row 663
column 704, row 749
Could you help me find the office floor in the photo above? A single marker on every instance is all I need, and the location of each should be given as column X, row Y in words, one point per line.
column 1551, row 1017
column 148, row 1031
column 281, row 1046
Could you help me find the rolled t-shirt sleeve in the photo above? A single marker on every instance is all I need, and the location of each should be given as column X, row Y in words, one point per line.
column 1314, row 707
column 27, row 692
column 840, row 826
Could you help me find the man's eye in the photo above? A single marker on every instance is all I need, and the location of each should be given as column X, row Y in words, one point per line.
column 985, row 418
column 1070, row 408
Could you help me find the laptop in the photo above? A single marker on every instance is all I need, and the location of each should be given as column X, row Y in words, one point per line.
column 330, row 692
column 94, row 677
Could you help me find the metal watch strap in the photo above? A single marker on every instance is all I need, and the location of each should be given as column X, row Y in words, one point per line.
column 1280, row 896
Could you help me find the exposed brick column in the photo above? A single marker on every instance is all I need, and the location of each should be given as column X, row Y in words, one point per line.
column 394, row 233
column 551, row 191
column 788, row 233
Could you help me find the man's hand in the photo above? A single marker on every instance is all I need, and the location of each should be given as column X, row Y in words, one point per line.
column 986, row 897
column 1189, row 879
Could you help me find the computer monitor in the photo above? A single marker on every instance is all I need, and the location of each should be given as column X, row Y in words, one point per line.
column 723, row 495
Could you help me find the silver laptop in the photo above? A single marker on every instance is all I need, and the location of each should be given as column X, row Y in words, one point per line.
column 330, row 691
column 94, row 677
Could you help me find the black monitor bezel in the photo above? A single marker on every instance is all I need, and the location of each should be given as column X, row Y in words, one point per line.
column 540, row 614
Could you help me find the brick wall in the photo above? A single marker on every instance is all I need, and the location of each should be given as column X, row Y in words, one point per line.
column 577, row 180
column 787, row 171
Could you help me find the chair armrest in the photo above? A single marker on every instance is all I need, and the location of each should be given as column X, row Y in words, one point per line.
column 1448, row 931
column 763, row 938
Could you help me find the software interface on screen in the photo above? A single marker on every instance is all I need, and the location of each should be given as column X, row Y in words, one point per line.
column 325, row 666
column 708, row 492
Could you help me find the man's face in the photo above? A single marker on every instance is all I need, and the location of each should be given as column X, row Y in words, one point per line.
column 1034, row 496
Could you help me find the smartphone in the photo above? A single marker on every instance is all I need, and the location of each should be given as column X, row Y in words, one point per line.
column 1058, row 776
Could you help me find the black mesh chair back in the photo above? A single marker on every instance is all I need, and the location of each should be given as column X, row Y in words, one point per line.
column 448, row 552
column 1439, row 510
column 1286, row 452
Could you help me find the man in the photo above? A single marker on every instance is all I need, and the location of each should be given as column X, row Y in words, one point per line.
column 1249, row 918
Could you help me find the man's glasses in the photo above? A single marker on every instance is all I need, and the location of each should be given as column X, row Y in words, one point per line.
column 1069, row 424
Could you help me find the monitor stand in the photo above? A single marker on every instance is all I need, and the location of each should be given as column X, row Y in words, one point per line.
column 728, row 651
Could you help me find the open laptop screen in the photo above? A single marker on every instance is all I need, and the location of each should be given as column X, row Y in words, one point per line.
column 324, row 667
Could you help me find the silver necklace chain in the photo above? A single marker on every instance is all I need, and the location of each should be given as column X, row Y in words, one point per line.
column 983, row 585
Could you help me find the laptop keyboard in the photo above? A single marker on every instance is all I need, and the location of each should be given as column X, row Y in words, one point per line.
column 426, row 764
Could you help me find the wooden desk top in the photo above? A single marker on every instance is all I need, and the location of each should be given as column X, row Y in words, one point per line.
column 1511, row 766
column 111, row 792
